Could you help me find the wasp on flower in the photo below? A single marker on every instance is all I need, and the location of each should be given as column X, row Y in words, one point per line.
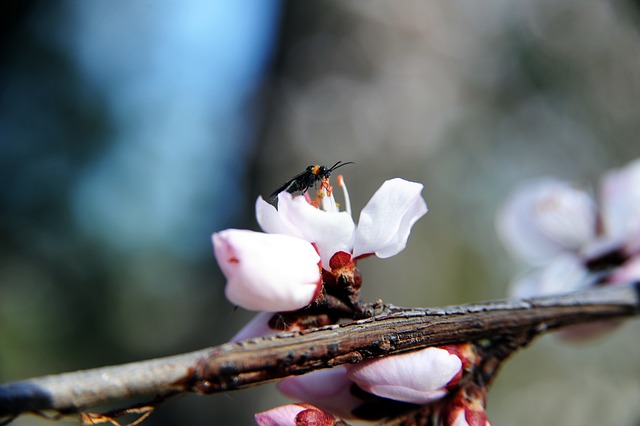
column 308, row 178
column 308, row 245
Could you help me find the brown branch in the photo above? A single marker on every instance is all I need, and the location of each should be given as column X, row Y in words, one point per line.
column 255, row 361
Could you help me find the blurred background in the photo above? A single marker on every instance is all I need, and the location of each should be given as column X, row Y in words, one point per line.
column 130, row 131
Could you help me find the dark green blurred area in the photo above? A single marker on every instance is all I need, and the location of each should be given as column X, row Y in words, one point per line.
column 467, row 98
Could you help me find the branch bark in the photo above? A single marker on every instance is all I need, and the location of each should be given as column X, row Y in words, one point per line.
column 255, row 361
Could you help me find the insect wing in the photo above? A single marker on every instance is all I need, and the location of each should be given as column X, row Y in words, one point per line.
column 292, row 185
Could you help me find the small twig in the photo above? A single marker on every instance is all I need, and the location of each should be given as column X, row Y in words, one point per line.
column 255, row 361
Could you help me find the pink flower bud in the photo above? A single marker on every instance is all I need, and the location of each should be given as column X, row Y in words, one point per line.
column 295, row 415
column 267, row 272
column 417, row 377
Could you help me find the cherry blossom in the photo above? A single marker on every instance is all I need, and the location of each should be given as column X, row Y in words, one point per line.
column 417, row 377
column 571, row 241
column 383, row 229
column 278, row 270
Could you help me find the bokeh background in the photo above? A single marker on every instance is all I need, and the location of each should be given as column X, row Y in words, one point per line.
column 130, row 131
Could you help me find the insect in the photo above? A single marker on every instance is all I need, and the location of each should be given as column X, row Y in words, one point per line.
column 305, row 180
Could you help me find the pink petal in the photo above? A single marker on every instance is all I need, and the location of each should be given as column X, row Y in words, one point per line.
column 329, row 231
column 418, row 377
column 267, row 272
column 295, row 415
column 627, row 272
column 328, row 389
column 385, row 222
column 285, row 415
column 544, row 217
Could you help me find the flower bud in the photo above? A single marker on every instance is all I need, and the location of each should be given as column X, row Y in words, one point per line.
column 295, row 415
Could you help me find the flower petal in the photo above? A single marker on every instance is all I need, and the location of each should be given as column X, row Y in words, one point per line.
column 545, row 217
column 270, row 221
column 294, row 415
column 621, row 202
column 418, row 377
column 627, row 272
column 328, row 389
column 267, row 272
column 330, row 232
column 385, row 222
column 564, row 274
column 258, row 326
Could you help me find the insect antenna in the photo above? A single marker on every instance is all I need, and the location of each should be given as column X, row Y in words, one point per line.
column 338, row 165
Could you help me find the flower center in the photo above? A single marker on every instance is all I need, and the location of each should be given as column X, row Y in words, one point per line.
column 326, row 201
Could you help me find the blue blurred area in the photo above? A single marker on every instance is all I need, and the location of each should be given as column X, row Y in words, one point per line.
column 127, row 130
column 177, row 79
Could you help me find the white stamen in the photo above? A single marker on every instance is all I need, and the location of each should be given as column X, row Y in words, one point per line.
column 347, row 201
column 328, row 202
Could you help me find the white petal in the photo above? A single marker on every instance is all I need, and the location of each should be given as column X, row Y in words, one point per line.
column 418, row 377
column 270, row 220
column 258, row 326
column 329, row 231
column 386, row 221
column 564, row 274
column 545, row 217
column 621, row 202
column 267, row 272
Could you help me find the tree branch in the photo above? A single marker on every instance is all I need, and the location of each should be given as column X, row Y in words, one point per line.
column 391, row 330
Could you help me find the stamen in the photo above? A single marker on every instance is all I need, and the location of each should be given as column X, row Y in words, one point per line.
column 347, row 200
column 327, row 201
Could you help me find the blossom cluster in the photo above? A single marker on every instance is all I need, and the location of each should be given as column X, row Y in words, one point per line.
column 571, row 240
column 308, row 249
column 282, row 269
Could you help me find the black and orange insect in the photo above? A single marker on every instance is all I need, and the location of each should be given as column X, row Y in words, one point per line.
column 310, row 177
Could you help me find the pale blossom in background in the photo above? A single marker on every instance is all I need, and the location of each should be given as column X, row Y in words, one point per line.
column 563, row 274
column 620, row 193
column 544, row 218
column 572, row 242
